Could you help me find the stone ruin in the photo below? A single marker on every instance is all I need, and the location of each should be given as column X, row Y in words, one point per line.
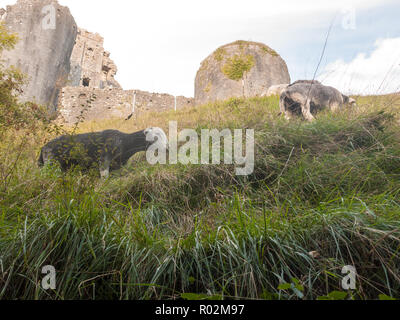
column 88, row 103
column 68, row 69
column 72, row 74
column 91, row 65
column 92, row 93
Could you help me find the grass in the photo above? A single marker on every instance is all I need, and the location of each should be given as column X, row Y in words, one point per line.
column 331, row 186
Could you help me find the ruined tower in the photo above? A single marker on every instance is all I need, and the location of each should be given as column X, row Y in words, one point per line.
column 91, row 65
column 47, row 33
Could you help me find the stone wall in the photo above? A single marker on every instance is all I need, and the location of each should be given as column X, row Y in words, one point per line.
column 42, row 52
column 85, row 103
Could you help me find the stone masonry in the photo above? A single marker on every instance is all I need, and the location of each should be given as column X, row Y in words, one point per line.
column 91, row 65
column 94, row 94
column 86, row 103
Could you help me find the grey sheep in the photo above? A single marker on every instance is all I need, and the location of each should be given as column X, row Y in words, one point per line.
column 108, row 150
column 307, row 97
column 305, row 81
column 275, row 90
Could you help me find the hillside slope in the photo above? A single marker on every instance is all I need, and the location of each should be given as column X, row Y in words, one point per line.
column 149, row 232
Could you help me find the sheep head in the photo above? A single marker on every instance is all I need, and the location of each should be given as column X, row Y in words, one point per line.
column 157, row 135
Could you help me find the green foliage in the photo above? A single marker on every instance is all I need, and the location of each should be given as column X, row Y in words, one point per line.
column 200, row 297
column 294, row 287
column 270, row 51
column 11, row 82
column 384, row 297
column 237, row 66
column 208, row 88
column 7, row 40
column 334, row 295
column 219, row 54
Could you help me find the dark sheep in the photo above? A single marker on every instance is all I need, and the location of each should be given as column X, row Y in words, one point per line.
column 108, row 150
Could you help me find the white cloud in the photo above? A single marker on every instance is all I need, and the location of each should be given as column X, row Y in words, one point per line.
column 377, row 73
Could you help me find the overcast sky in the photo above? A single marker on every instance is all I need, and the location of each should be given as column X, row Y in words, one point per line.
column 158, row 44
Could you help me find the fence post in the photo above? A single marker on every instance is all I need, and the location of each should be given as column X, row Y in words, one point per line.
column 175, row 103
column 134, row 102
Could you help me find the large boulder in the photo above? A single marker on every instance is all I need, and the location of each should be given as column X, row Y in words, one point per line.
column 239, row 69
column 47, row 33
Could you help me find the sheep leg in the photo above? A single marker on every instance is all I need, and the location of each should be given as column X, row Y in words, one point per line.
column 284, row 109
column 282, row 103
column 335, row 106
column 105, row 167
column 306, row 110
column 46, row 156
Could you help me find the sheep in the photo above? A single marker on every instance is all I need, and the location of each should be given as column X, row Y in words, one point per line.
column 305, row 81
column 306, row 97
column 108, row 150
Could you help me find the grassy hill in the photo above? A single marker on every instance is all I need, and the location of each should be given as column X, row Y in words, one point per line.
column 330, row 187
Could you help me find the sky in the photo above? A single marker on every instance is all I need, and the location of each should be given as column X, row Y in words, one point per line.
column 158, row 45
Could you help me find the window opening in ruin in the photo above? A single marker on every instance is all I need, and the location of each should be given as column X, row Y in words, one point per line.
column 86, row 82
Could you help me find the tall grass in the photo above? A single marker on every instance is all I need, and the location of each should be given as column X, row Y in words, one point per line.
column 330, row 187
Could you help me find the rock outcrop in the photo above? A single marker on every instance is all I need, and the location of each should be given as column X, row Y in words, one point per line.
column 239, row 69
column 47, row 33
